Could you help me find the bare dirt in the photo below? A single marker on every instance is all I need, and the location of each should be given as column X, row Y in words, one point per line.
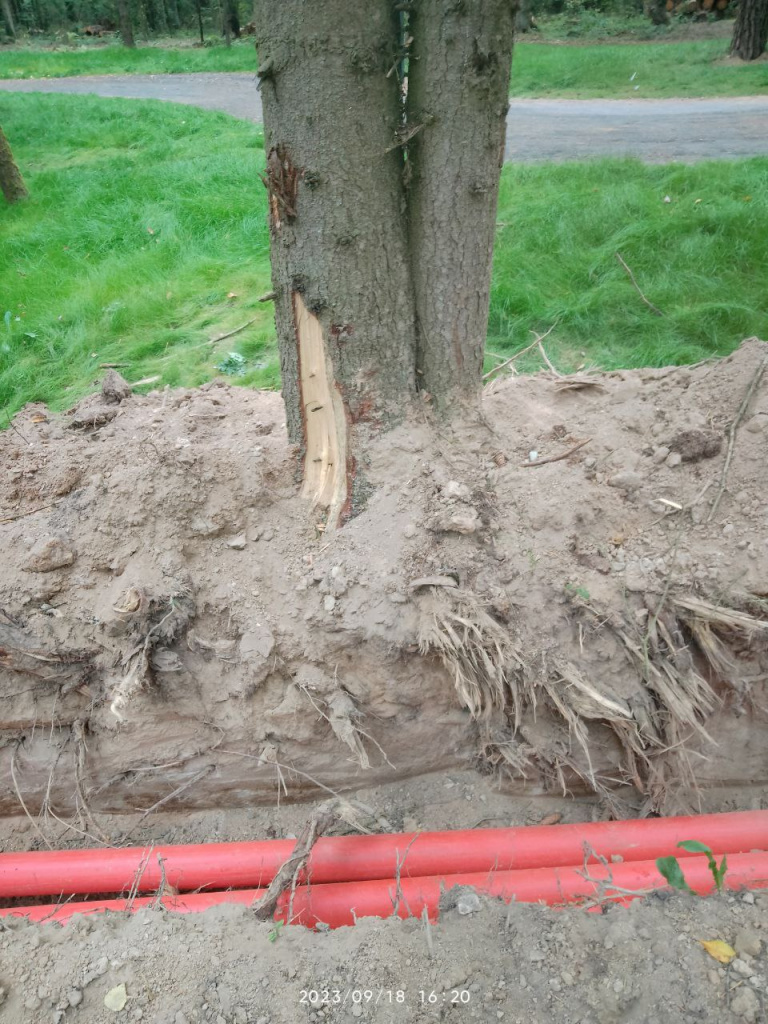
column 179, row 628
column 518, row 965
column 655, row 131
column 566, row 594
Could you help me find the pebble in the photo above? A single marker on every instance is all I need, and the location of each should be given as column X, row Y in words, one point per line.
column 748, row 897
column 748, row 942
column 745, row 1004
column 329, row 602
column 626, row 481
column 357, row 1010
column 410, row 531
column 468, row 903
column 660, row 454
column 237, row 543
column 741, row 967
column 674, row 459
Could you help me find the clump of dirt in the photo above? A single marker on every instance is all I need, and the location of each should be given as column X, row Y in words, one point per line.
column 545, row 591
column 518, row 964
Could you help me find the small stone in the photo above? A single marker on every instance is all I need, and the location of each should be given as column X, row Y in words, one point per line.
column 555, row 984
column 745, row 1004
column 180, row 1018
column 237, row 543
column 398, row 598
column 741, row 967
column 75, row 997
column 748, row 942
column 468, row 903
column 329, row 602
column 453, row 489
column 626, row 481
column 674, row 459
column 462, row 522
column 568, row 978
column 757, row 424
column 32, row 1003
column 618, row 986
column 660, row 453
column 535, row 956
column 748, row 897
column 267, row 536
column 48, row 554
column 410, row 531
column 357, row 1010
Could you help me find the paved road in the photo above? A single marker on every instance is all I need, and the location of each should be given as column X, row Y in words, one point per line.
column 656, row 131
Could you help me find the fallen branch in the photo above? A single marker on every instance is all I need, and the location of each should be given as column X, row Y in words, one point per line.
column 266, row 297
column 113, row 366
column 289, row 871
column 507, row 362
column 557, row 458
column 237, row 330
column 756, row 377
column 649, row 304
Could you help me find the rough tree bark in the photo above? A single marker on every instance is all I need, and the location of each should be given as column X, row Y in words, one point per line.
column 125, row 23
column 382, row 213
column 458, row 89
column 344, row 304
column 750, row 31
column 11, row 181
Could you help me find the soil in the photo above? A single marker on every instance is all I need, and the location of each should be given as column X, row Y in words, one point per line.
column 565, row 595
column 179, row 628
column 521, row 964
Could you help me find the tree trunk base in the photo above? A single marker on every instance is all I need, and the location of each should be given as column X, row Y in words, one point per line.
column 179, row 627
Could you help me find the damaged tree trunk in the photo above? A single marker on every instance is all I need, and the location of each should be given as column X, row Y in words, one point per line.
column 11, row 181
column 382, row 207
column 344, row 304
column 458, row 89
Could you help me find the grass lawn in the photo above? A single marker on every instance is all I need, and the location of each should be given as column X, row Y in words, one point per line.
column 637, row 70
column 145, row 237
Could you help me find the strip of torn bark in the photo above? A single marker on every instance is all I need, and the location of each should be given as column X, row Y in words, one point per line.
column 325, row 422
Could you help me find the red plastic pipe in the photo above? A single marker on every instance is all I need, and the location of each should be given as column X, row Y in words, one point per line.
column 358, row 858
column 342, row 903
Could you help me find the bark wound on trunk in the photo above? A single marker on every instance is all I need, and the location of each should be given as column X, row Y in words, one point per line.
column 340, row 265
column 458, row 88
column 325, row 425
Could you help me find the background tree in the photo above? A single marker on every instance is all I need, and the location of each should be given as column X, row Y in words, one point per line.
column 382, row 211
column 750, row 32
column 125, row 23
column 8, row 18
column 11, row 181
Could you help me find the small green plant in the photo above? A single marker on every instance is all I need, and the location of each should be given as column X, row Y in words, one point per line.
column 671, row 870
column 233, row 365
column 274, row 933
column 573, row 591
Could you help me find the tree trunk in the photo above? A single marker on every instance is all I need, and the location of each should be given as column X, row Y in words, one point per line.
column 750, row 31
column 344, row 304
column 8, row 19
column 524, row 17
column 124, row 23
column 458, row 90
column 11, row 181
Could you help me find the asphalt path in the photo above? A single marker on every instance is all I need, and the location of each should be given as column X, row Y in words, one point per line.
column 655, row 131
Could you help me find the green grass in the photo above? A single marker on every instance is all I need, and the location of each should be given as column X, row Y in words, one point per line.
column 633, row 71
column 637, row 70
column 85, row 281
column 94, row 58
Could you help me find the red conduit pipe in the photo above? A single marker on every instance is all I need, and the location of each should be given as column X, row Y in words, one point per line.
column 342, row 903
column 358, row 858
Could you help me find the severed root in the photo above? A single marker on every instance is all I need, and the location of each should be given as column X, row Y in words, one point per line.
column 476, row 650
column 289, row 871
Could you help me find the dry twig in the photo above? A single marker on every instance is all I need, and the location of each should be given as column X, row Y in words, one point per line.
column 29, row 512
column 756, row 377
column 649, row 304
column 557, row 458
column 237, row 330
column 534, row 344
column 289, row 871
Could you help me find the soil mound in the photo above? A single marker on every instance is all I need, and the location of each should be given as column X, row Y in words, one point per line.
column 570, row 589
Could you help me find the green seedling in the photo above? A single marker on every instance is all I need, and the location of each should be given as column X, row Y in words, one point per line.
column 275, row 931
column 671, row 870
